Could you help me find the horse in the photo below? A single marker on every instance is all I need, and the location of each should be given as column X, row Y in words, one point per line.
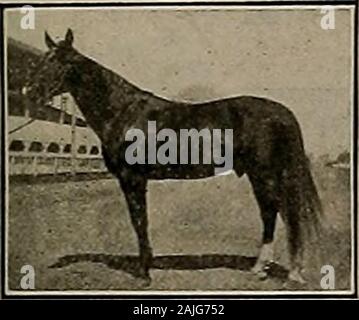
column 267, row 146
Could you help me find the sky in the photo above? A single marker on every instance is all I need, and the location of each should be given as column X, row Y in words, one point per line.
column 199, row 55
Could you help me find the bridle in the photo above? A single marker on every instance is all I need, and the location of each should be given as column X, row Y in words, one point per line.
column 48, row 94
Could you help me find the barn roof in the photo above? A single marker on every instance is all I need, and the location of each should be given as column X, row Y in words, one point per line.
column 47, row 132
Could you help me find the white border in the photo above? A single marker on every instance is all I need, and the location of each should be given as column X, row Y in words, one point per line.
column 138, row 293
column 224, row 7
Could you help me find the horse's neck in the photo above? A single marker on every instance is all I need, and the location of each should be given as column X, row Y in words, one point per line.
column 100, row 94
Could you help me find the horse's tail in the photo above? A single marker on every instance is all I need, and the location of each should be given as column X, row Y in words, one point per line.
column 301, row 209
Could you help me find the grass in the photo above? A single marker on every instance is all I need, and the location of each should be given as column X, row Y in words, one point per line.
column 206, row 234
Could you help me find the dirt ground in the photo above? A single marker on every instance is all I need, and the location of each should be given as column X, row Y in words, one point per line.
column 205, row 235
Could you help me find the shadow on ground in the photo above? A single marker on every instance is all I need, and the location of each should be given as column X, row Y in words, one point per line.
column 130, row 263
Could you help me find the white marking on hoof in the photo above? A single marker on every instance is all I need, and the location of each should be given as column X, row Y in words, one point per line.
column 295, row 276
column 260, row 270
column 258, row 267
column 262, row 275
column 267, row 253
column 266, row 257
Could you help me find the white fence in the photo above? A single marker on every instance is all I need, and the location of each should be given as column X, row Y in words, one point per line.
column 48, row 148
column 42, row 163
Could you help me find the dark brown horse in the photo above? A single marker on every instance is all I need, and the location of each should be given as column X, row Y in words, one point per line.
column 267, row 145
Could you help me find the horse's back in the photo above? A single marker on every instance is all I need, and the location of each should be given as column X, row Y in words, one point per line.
column 219, row 114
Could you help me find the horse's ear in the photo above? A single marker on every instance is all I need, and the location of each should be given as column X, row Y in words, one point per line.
column 69, row 38
column 49, row 42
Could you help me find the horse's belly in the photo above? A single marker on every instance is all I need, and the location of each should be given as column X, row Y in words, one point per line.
column 159, row 172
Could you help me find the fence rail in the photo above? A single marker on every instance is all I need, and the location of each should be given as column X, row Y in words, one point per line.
column 34, row 164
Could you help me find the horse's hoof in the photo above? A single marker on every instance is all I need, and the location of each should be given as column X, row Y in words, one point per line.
column 262, row 275
column 296, row 277
column 257, row 268
column 261, row 268
column 143, row 277
column 260, row 272
column 145, row 282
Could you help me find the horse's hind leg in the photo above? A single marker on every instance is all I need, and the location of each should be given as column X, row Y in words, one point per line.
column 295, row 250
column 265, row 190
column 134, row 188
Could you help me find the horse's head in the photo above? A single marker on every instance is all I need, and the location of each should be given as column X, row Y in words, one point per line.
column 51, row 76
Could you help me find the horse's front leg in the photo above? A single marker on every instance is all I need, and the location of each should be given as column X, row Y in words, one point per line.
column 134, row 188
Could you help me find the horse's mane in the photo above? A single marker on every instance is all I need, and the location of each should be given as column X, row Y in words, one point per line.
column 113, row 78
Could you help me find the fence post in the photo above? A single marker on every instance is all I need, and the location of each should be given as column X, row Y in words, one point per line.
column 55, row 165
column 73, row 138
column 62, row 108
column 26, row 107
column 34, row 166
